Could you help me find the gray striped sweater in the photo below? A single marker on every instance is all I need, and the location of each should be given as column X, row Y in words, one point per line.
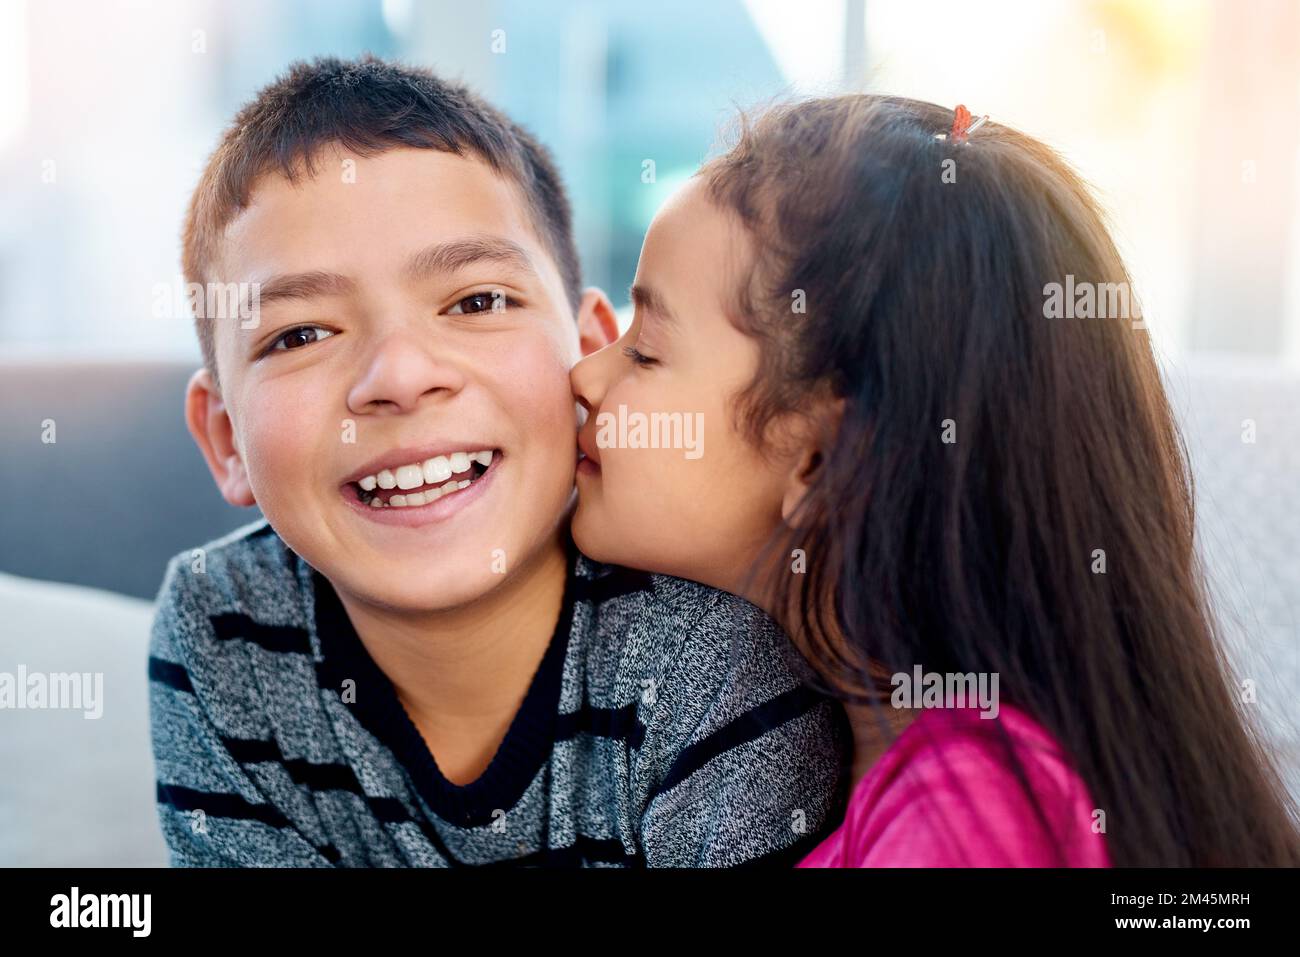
column 667, row 725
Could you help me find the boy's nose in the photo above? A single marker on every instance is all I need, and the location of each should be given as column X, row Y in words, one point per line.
column 399, row 373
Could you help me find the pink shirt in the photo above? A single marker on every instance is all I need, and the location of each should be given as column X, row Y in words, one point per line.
column 945, row 794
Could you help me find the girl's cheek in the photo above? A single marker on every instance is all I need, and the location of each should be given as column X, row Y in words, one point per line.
column 634, row 392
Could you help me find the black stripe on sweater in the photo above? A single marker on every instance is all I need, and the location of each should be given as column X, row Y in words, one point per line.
column 621, row 724
column 214, row 804
column 613, row 584
column 318, row 777
column 750, row 726
column 170, row 674
column 233, row 807
column 333, row 777
column 282, row 638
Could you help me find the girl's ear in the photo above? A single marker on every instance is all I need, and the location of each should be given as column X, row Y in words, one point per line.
column 597, row 321
column 209, row 423
column 817, row 430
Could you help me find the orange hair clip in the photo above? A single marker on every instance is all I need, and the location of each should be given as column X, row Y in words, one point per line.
column 962, row 126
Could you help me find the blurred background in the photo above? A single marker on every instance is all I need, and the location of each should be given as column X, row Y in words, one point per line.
column 1181, row 113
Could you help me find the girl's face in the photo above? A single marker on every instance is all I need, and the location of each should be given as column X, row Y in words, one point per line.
column 668, row 483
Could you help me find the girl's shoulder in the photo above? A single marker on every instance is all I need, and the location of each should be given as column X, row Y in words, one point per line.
column 959, row 789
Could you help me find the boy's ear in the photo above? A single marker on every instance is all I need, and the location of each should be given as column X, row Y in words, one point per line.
column 813, row 437
column 597, row 321
column 209, row 423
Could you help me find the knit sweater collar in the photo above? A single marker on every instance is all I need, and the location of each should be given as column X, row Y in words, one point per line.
column 525, row 748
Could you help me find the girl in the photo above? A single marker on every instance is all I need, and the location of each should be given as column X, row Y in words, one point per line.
column 917, row 465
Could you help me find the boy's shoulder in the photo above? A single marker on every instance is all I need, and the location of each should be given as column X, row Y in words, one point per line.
column 622, row 591
column 663, row 604
column 249, row 574
column 674, row 634
column 645, row 628
column 252, row 562
column 730, row 738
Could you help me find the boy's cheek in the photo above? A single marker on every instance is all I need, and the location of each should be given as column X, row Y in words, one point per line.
column 286, row 447
column 288, row 436
column 537, row 382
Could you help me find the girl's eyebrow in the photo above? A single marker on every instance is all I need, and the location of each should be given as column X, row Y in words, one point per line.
column 650, row 300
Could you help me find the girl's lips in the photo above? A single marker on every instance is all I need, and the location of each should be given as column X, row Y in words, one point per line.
column 441, row 509
column 585, row 451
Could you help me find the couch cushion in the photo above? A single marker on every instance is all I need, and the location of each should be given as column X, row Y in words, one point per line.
column 77, row 791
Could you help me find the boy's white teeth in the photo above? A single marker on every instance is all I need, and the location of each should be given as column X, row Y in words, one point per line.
column 410, row 476
column 438, row 469
column 420, row 498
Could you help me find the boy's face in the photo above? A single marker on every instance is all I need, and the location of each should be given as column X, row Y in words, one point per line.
column 408, row 310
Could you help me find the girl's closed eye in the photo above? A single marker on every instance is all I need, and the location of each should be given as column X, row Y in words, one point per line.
column 301, row 336
column 639, row 357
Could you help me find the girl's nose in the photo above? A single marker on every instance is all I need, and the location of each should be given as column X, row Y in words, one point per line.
column 587, row 379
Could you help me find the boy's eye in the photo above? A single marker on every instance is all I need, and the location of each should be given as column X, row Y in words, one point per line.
column 638, row 357
column 481, row 302
column 298, row 337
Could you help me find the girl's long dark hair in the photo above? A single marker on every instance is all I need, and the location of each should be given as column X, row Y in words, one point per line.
column 922, row 265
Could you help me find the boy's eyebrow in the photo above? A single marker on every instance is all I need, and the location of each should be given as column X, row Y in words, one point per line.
column 456, row 254
column 303, row 285
column 442, row 257
column 650, row 300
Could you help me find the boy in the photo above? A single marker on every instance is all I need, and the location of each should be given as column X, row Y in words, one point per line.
column 407, row 662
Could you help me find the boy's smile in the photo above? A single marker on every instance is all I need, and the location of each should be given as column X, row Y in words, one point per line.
column 412, row 481
column 400, row 411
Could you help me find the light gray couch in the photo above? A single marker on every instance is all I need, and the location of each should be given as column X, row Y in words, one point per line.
column 93, row 518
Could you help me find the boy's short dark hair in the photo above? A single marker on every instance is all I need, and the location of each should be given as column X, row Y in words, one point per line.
column 367, row 105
